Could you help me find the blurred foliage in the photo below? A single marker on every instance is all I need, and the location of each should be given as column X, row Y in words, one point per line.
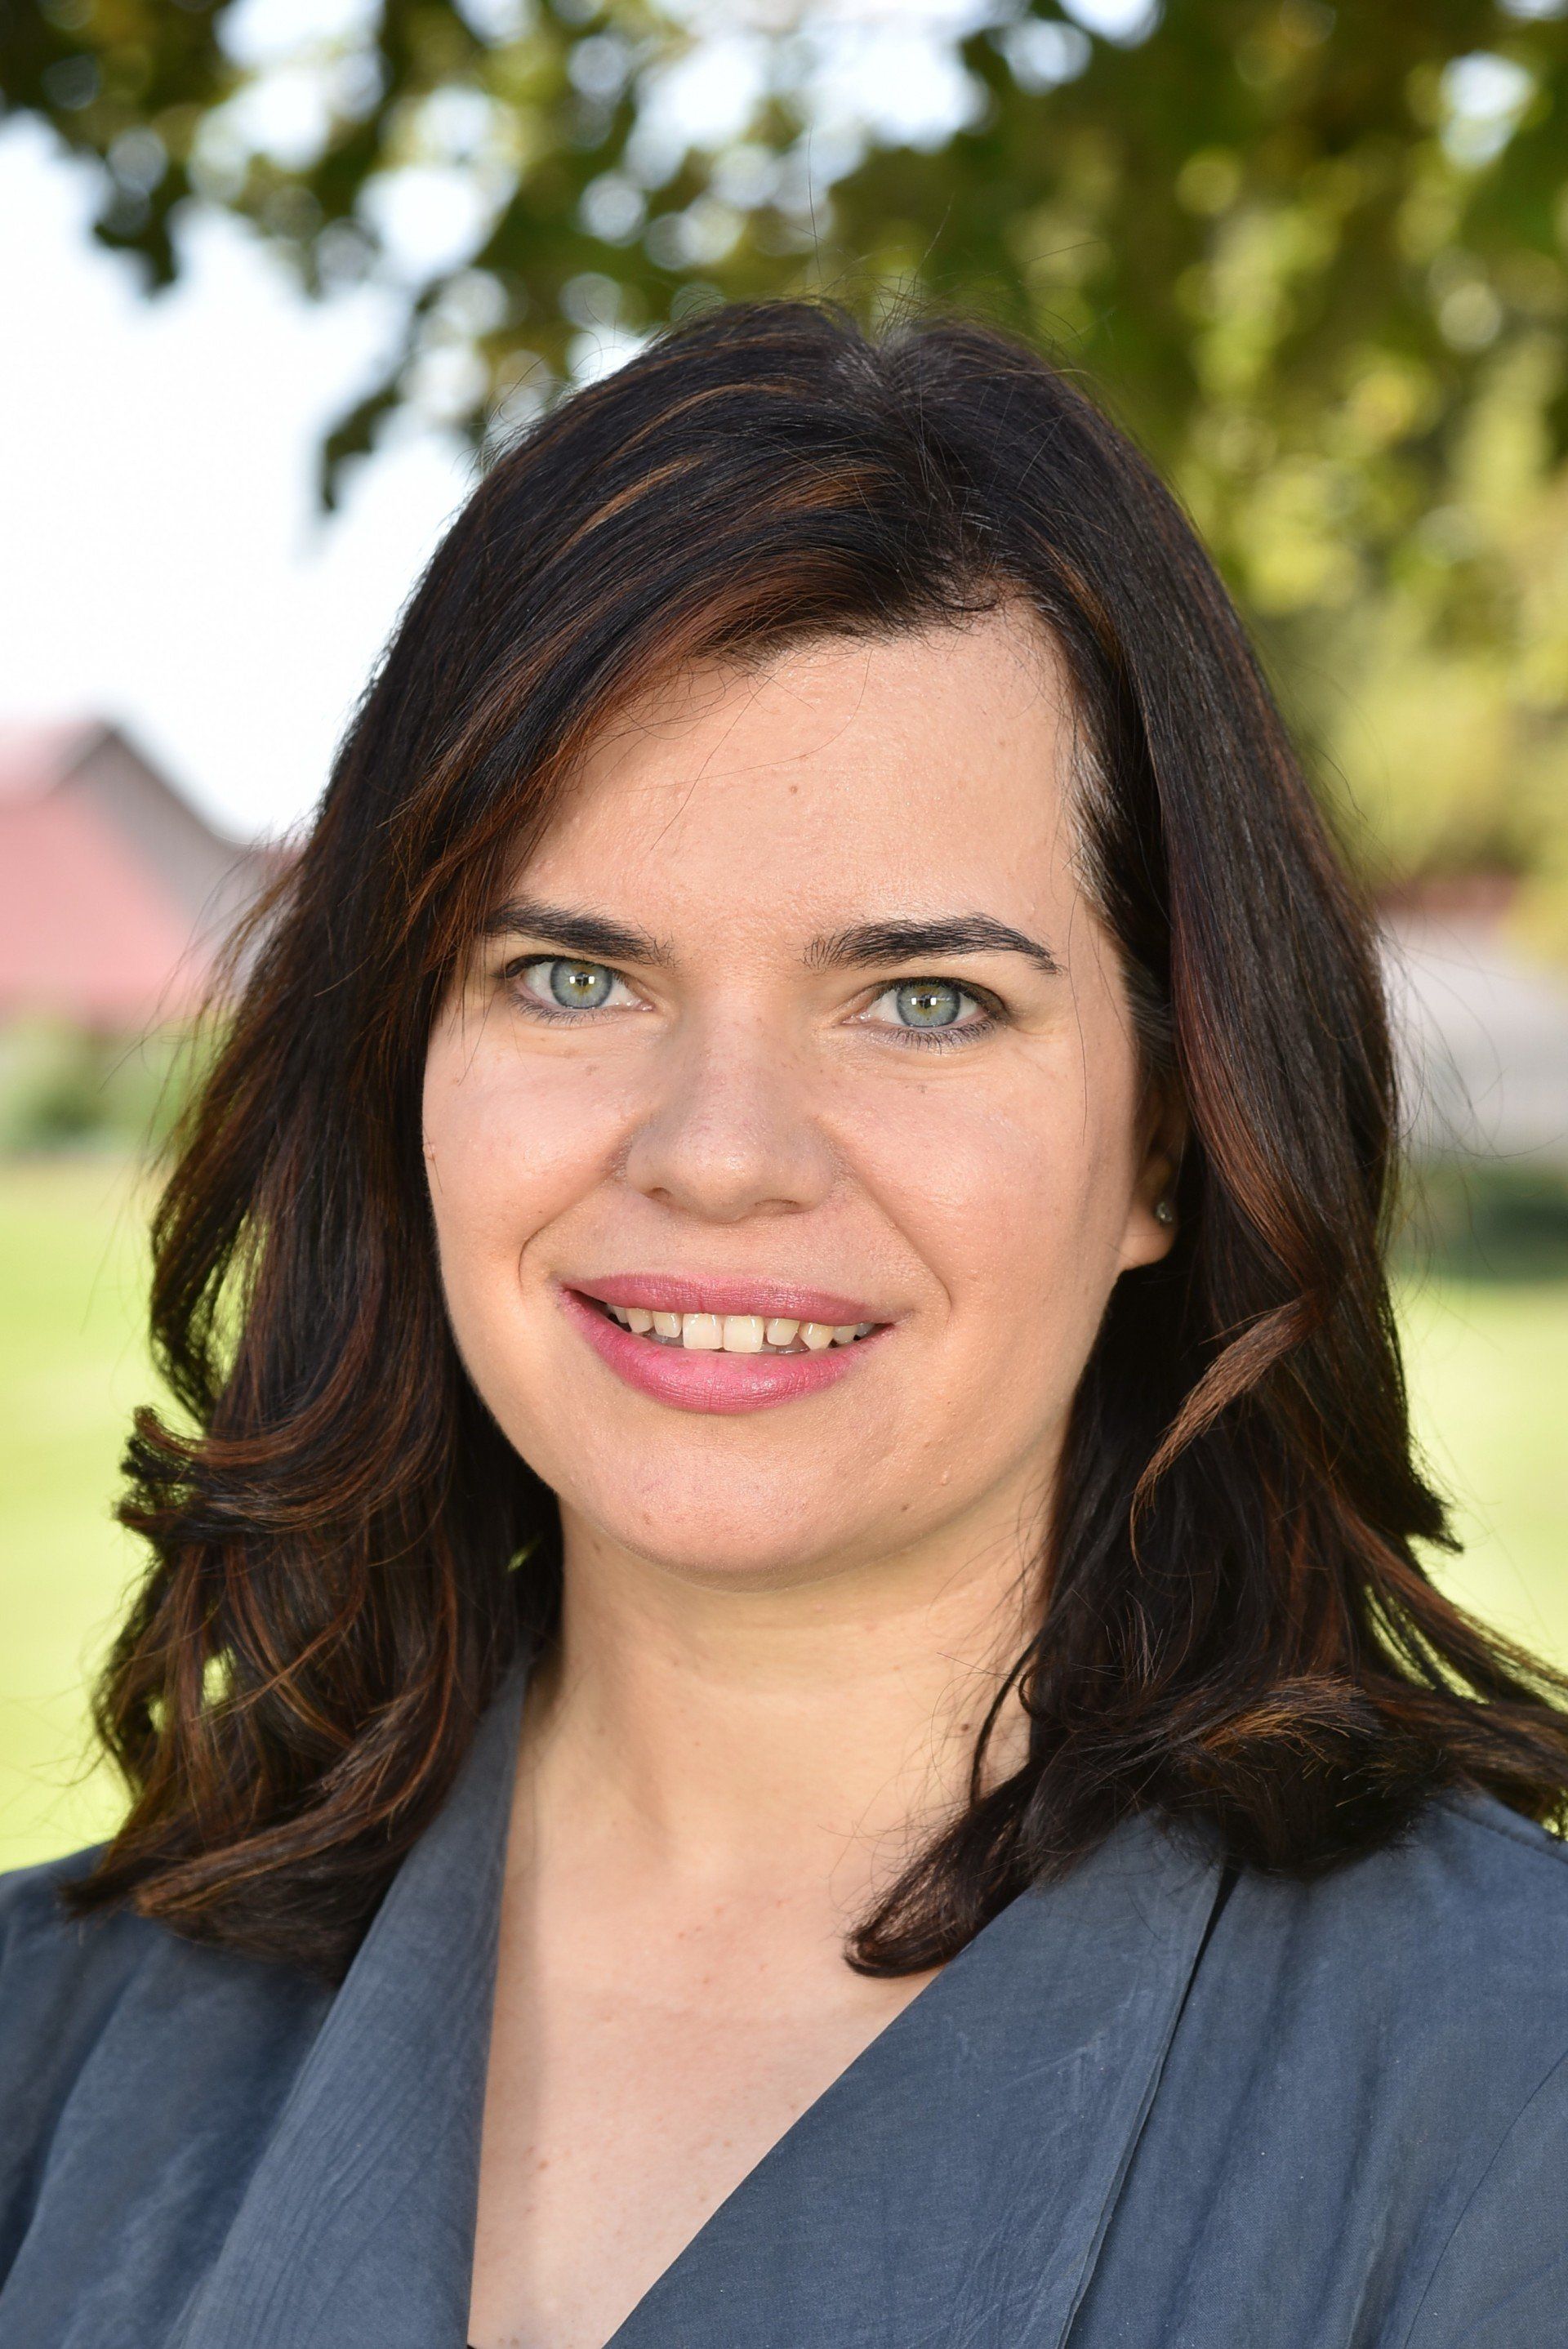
column 64, row 1087
column 1317, row 258
column 1483, row 1220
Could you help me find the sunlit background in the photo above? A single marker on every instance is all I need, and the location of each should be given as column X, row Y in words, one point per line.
column 276, row 276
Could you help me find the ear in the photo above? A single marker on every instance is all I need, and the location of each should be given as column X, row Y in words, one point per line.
column 1151, row 1209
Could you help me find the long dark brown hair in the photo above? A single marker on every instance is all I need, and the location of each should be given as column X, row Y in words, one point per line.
column 347, row 1555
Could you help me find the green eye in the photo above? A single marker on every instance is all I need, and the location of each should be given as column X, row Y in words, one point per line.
column 938, row 1012
column 554, row 987
column 928, row 1002
column 579, row 986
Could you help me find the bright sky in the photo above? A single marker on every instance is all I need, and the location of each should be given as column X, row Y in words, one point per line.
column 163, row 563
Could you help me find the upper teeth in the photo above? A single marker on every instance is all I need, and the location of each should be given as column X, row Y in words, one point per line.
column 739, row 1333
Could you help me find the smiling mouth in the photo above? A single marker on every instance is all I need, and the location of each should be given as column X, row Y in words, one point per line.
column 732, row 1333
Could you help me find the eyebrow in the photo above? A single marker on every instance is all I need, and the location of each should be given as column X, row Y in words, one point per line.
column 599, row 938
column 902, row 940
column 592, row 936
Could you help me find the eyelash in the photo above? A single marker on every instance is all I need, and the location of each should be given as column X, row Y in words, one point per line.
column 922, row 1038
column 551, row 1012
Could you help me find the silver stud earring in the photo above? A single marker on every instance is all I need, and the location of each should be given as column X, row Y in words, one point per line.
column 1164, row 1213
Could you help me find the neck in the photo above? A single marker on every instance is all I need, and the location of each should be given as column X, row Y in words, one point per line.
column 736, row 1738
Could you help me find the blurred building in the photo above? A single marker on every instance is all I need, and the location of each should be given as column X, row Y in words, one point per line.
column 1482, row 1027
column 115, row 892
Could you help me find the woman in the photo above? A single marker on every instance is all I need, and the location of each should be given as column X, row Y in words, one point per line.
column 785, row 1695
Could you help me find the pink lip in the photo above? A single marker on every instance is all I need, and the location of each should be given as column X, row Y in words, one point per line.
column 697, row 1381
column 665, row 1292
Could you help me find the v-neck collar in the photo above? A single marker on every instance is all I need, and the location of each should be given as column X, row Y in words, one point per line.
column 952, row 2183
column 357, row 2230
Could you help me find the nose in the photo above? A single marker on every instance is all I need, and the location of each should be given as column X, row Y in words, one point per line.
column 729, row 1131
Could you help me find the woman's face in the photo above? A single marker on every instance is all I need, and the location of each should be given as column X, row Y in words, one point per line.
column 762, row 1106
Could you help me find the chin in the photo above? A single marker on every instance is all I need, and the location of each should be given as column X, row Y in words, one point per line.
column 741, row 1544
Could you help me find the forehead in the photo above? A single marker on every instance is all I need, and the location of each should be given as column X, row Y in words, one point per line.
column 932, row 755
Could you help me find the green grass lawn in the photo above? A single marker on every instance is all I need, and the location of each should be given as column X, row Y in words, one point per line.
column 1489, row 1368
column 73, row 1276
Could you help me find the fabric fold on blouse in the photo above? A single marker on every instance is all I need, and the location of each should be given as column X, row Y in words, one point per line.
column 1160, row 2104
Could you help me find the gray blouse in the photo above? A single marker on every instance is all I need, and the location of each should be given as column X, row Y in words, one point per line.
column 1160, row 2105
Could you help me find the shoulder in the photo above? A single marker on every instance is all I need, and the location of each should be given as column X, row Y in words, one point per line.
column 32, row 1918
column 139, row 2072
column 77, row 1974
column 1471, row 1893
column 1416, row 2000
column 1362, row 2119
column 1492, row 1873
column 1480, row 1992
column 1415, row 1997
column 117, row 2012
column 51, row 1961
column 1448, row 1943
column 1468, row 1844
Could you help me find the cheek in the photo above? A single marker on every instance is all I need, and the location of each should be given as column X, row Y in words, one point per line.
column 508, row 1148
column 1016, row 1204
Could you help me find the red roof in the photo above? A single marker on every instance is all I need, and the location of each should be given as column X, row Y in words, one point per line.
column 114, row 892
